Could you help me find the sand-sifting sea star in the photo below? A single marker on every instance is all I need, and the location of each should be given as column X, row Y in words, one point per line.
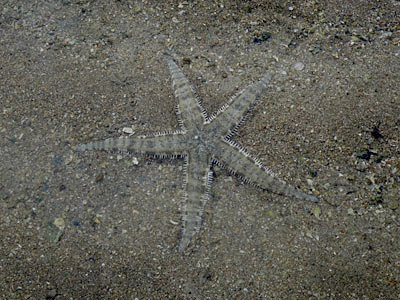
column 202, row 141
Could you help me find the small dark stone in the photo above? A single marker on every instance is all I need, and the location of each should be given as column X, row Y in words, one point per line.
column 314, row 173
column 257, row 41
column 99, row 177
column 62, row 187
column 76, row 223
column 265, row 36
column 376, row 134
column 186, row 61
column 365, row 154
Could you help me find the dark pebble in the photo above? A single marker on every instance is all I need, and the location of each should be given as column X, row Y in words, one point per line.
column 99, row 177
column 365, row 154
column 376, row 134
column 76, row 223
column 265, row 36
column 186, row 61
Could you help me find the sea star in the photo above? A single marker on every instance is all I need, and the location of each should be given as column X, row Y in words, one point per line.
column 203, row 141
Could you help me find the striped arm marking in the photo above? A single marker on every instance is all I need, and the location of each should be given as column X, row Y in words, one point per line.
column 239, row 162
column 197, row 186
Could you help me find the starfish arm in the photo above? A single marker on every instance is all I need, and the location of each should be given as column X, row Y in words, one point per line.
column 197, row 185
column 236, row 159
column 190, row 111
column 162, row 145
column 230, row 116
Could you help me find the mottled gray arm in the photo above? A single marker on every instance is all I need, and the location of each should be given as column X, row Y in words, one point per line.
column 197, row 185
column 190, row 112
column 230, row 116
column 170, row 144
column 241, row 163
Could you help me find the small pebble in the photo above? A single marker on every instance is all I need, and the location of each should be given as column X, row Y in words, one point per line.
column 265, row 36
column 128, row 130
column 76, row 223
column 299, row 66
column 52, row 294
column 173, row 222
column 99, row 177
column 386, row 35
column 60, row 223
column 317, row 212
